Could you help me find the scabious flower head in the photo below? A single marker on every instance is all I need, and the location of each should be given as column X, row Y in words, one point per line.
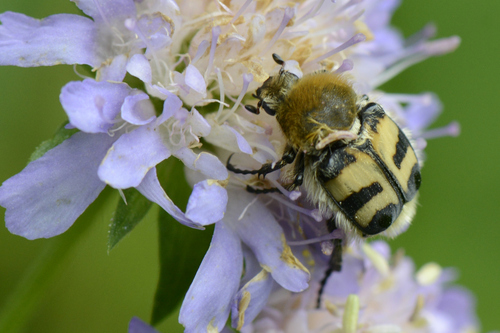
column 202, row 60
column 374, row 292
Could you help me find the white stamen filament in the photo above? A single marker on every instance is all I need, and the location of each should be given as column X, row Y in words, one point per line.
column 352, row 41
column 200, row 51
column 395, row 69
column 226, row 8
column 347, row 65
column 299, row 209
column 240, row 11
column 289, row 12
column 336, row 234
column 424, row 34
column 99, row 9
column 347, row 5
column 215, row 36
column 453, row 129
column 311, row 13
column 246, row 208
column 264, row 148
column 221, row 91
column 247, row 78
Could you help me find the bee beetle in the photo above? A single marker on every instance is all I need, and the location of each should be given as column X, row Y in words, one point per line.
column 355, row 163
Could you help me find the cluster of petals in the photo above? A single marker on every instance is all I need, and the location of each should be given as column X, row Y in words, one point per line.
column 374, row 292
column 189, row 56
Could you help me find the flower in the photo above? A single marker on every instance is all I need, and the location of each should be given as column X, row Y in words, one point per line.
column 192, row 58
column 374, row 292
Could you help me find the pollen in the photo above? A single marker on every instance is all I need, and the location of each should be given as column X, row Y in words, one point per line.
column 288, row 257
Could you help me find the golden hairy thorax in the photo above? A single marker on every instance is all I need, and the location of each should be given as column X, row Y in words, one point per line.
column 314, row 106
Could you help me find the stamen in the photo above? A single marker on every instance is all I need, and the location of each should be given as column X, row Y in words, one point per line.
column 420, row 144
column 442, row 46
column 311, row 13
column 221, row 92
column 347, row 65
column 397, row 68
column 378, row 261
column 292, row 195
column 424, row 34
column 428, row 49
column 240, row 11
column 201, row 50
column 348, row 4
column 99, row 9
column 264, row 148
column 419, row 305
column 453, row 129
column 335, row 234
column 351, row 313
column 226, row 8
column 428, row 274
column 246, row 208
column 215, row 36
column 112, row 131
column 247, row 78
column 327, row 247
column 354, row 40
column 299, row 209
column 289, row 13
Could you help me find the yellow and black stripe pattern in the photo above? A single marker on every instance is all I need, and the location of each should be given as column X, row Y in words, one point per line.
column 372, row 178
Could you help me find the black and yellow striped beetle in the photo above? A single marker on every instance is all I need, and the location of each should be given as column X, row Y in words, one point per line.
column 355, row 163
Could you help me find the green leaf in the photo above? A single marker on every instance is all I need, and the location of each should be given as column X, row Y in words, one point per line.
column 61, row 135
column 127, row 216
column 181, row 249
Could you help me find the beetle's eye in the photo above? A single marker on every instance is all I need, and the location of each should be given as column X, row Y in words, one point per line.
column 268, row 110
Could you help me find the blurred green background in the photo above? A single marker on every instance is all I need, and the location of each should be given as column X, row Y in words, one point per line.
column 457, row 223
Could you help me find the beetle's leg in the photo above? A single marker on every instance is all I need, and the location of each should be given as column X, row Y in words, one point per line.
column 298, row 172
column 334, row 264
column 287, row 158
column 251, row 189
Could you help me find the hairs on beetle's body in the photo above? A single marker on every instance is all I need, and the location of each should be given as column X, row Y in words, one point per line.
column 355, row 163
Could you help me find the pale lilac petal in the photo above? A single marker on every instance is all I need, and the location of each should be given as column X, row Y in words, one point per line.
column 57, row 39
column 115, row 71
column 46, row 197
column 132, row 156
column 207, row 202
column 156, row 30
column 92, row 106
column 205, row 163
column 171, row 105
column 423, row 111
column 243, row 144
column 139, row 66
column 258, row 229
column 459, row 304
column 228, row 138
column 138, row 326
column 195, row 80
column 251, row 299
column 137, row 109
column 107, row 11
column 150, row 188
column 207, row 302
column 345, row 282
column 198, row 123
